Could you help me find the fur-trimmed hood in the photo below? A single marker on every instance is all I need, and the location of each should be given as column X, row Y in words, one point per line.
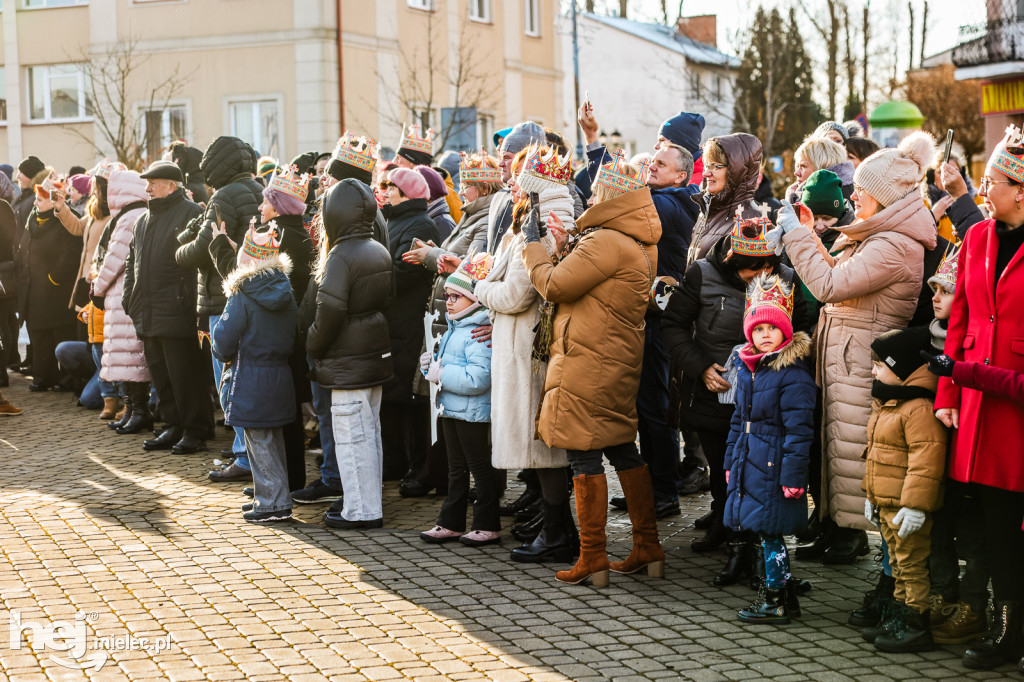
column 266, row 282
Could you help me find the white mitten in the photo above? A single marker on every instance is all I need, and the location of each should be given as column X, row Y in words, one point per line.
column 434, row 372
column 425, row 360
column 908, row 521
column 869, row 512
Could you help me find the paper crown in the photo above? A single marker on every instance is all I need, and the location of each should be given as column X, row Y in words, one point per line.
column 359, row 152
column 617, row 176
column 544, row 170
column 481, row 173
column 104, row 168
column 1008, row 158
column 52, row 183
column 748, row 235
column 946, row 274
column 288, row 181
column 473, row 269
column 262, row 242
column 770, row 290
column 414, row 142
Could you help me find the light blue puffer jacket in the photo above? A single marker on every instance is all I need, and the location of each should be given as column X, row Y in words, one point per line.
column 465, row 371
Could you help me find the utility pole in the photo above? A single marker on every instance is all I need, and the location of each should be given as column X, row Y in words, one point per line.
column 576, row 78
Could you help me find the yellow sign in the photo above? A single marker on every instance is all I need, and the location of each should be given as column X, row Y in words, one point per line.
column 1002, row 97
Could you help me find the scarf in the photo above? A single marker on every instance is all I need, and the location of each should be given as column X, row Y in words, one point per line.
column 751, row 356
column 887, row 392
column 939, row 329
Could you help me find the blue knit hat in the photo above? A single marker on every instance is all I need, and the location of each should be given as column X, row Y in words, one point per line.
column 685, row 130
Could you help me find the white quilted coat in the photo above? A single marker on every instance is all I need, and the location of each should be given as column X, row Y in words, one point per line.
column 123, row 359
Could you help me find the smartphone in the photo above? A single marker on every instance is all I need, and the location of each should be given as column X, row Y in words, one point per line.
column 949, row 147
column 586, row 100
column 216, row 214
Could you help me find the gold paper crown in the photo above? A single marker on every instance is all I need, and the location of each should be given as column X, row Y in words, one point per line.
column 544, row 170
column 289, row 181
column 262, row 244
column 946, row 274
column 52, row 183
column 359, row 152
column 104, row 168
column 770, row 290
column 478, row 266
column 1008, row 157
column 751, row 246
column 617, row 176
column 414, row 142
column 481, row 173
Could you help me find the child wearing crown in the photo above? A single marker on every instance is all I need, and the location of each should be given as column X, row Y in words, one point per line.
column 256, row 334
column 461, row 366
column 769, row 442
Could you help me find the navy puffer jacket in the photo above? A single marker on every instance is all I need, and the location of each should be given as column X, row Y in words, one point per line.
column 770, row 441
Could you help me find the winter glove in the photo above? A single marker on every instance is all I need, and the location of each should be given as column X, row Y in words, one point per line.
column 531, row 230
column 786, row 221
column 940, row 365
column 908, row 521
column 434, row 372
column 793, row 493
column 425, row 360
column 869, row 513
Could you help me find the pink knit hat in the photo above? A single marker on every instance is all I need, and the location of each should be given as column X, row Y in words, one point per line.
column 82, row 183
column 410, row 182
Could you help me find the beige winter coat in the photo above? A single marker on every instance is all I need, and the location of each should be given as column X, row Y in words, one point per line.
column 871, row 287
column 90, row 231
column 516, row 385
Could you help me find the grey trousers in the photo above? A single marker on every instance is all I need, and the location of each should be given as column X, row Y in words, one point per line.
column 269, row 473
column 355, row 416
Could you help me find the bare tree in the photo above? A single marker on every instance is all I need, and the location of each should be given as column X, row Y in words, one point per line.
column 829, row 31
column 910, row 61
column 866, row 34
column 120, row 96
column 623, row 8
column 924, row 31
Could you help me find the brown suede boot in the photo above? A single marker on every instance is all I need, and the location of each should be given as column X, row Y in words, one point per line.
column 647, row 551
column 592, row 511
column 110, row 408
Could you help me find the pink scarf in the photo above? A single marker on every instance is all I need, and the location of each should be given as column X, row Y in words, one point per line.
column 751, row 356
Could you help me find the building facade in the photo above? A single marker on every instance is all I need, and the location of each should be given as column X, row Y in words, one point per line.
column 268, row 71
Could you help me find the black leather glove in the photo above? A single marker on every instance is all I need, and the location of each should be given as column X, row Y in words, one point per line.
column 531, row 229
column 940, row 365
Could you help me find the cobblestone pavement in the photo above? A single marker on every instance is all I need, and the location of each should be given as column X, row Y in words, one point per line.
column 142, row 545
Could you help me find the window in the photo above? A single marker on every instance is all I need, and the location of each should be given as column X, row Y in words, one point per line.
column 718, row 88
column 531, row 17
column 426, row 5
column 258, row 122
column 695, row 85
column 3, row 94
column 57, row 92
column 41, row 4
column 480, row 10
column 160, row 127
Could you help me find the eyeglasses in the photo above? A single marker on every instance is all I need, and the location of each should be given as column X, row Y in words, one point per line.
column 717, row 166
column 454, row 298
column 987, row 182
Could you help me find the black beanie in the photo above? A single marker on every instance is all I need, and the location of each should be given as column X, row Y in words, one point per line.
column 416, row 158
column 31, row 166
column 900, row 349
column 339, row 170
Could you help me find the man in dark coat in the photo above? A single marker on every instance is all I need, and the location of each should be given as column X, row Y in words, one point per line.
column 30, row 172
column 188, row 160
column 159, row 296
column 404, row 416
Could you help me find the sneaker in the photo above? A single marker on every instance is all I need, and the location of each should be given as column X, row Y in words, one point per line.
column 316, row 493
column 478, row 538
column 267, row 516
column 247, row 506
column 232, row 472
column 439, row 534
column 8, row 410
column 336, row 520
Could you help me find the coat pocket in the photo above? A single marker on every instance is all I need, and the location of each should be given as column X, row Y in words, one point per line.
column 969, row 342
column 347, row 421
column 1017, row 346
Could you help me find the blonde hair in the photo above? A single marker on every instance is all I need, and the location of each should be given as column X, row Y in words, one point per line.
column 714, row 153
column 821, row 152
column 603, row 192
column 484, row 161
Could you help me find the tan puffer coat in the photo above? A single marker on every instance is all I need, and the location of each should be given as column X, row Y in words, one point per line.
column 906, row 454
column 871, row 287
column 601, row 289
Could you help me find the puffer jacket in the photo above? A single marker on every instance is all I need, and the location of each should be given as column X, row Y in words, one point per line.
column 871, row 287
column 53, row 255
column 256, row 335
column 828, row 237
column 189, row 160
column 601, row 288
column 93, row 323
column 906, row 452
column 743, row 160
column 407, row 221
column 123, row 356
column 465, row 389
column 228, row 165
column 770, row 439
column 348, row 339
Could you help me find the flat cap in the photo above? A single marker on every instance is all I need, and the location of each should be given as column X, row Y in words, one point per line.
column 164, row 170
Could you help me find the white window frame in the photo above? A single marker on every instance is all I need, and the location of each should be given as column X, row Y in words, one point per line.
column 481, row 11
column 531, row 8
column 485, row 129
column 424, row 5
column 46, row 4
column 140, row 115
column 83, row 113
column 275, row 97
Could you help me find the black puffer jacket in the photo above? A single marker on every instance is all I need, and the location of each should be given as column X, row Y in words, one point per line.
column 189, row 160
column 348, row 339
column 407, row 221
column 160, row 295
column 228, row 165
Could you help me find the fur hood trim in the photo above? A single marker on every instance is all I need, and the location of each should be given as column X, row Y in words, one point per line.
column 798, row 349
column 233, row 282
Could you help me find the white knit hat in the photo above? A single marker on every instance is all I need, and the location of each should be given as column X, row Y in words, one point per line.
column 890, row 174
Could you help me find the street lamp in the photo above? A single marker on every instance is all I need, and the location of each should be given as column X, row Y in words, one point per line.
column 616, row 138
column 602, row 137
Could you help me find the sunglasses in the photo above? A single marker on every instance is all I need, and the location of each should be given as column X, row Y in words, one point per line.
column 387, row 185
column 453, row 297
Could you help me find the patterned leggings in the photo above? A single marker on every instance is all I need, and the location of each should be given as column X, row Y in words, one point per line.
column 776, row 561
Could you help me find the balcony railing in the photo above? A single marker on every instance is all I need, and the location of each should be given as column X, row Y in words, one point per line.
column 998, row 39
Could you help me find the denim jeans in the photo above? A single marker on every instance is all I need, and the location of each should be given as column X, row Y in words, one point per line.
column 322, row 404
column 75, row 358
column 269, row 475
column 356, row 418
column 238, row 447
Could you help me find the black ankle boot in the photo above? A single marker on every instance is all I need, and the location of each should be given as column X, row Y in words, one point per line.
column 875, row 600
column 792, row 602
column 814, row 550
column 770, row 606
column 912, row 633
column 527, row 498
column 812, row 530
column 848, row 545
column 704, row 522
column 892, row 618
column 141, row 418
column 552, row 542
column 716, row 536
column 119, row 423
column 529, row 530
column 738, row 565
column 1003, row 642
column 528, row 511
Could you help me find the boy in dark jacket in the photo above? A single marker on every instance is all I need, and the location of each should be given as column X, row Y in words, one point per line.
column 906, row 461
column 256, row 334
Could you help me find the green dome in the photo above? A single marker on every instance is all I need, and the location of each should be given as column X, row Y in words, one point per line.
column 896, row 114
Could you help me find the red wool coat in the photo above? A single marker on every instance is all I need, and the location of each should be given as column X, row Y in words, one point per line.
column 986, row 327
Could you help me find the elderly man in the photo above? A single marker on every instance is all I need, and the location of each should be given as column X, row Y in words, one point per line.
column 499, row 217
column 160, row 297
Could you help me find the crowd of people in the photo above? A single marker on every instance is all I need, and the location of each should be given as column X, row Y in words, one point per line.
column 509, row 312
